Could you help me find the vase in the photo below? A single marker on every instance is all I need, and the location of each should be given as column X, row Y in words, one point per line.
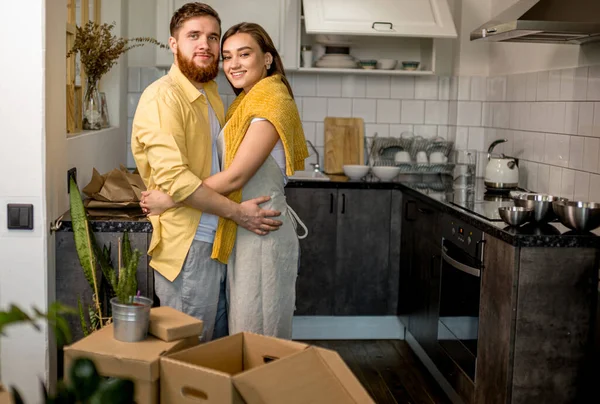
column 131, row 320
column 92, row 110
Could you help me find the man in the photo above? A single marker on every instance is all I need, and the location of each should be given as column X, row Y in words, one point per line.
column 174, row 133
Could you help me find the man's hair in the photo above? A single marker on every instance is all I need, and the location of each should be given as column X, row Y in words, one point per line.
column 189, row 11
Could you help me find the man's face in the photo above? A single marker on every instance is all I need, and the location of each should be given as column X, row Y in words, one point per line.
column 196, row 48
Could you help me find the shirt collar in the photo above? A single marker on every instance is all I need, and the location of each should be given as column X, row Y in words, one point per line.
column 191, row 92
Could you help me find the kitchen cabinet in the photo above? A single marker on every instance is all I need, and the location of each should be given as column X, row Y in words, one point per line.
column 345, row 260
column 280, row 18
column 420, row 271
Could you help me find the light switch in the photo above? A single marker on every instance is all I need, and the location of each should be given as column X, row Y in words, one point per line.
column 20, row 216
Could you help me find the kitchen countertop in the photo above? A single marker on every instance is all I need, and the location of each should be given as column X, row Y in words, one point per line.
column 435, row 190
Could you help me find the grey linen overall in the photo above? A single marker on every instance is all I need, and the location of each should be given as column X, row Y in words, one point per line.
column 262, row 270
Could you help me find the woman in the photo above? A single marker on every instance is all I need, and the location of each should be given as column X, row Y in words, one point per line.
column 261, row 144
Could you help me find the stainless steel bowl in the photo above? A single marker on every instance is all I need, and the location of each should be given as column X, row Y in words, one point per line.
column 578, row 215
column 515, row 215
column 541, row 205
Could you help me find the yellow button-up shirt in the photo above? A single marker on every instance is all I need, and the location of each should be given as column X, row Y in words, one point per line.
column 171, row 145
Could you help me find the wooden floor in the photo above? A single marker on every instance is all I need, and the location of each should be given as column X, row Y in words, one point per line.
column 389, row 370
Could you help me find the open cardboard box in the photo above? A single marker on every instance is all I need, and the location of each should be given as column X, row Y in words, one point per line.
column 138, row 361
column 250, row 368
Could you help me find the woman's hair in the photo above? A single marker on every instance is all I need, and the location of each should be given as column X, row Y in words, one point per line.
column 189, row 11
column 266, row 45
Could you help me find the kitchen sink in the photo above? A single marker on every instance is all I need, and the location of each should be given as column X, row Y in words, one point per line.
column 309, row 176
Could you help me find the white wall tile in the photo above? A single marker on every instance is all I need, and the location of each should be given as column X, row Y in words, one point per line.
column 133, row 80
column 378, row 87
column 132, row 103
column 478, row 90
column 304, row 85
column 523, row 174
column 555, row 184
column 538, row 140
column 571, row 118
column 591, row 148
column 491, row 134
column 525, row 122
column 413, row 112
column 403, row 88
column 462, row 138
column 567, row 186
column 532, row 176
column 476, row 139
column 573, row 84
column 543, row 182
column 310, row 130
column 340, row 107
column 596, row 124
column 557, row 150
column 543, row 83
column 314, row 109
column 515, row 115
column 443, row 131
column 298, row 101
column 354, row 86
column 469, row 113
column 586, row 119
column 397, row 130
column 576, row 152
column 593, row 90
column 320, row 135
column 581, row 191
column 464, row 88
column 501, row 115
column 329, row 85
column 496, row 88
column 427, row 131
column 520, row 87
column 556, row 117
column 452, row 112
column 444, row 88
column 382, row 130
column 388, row 111
column 531, row 92
column 426, row 88
column 594, row 188
column 365, row 109
column 511, row 85
column 487, row 112
column 554, row 85
column 436, row 112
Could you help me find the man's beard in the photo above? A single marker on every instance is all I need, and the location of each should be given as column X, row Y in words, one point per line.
column 196, row 73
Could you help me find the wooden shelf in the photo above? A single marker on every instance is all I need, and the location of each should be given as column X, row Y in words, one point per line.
column 373, row 72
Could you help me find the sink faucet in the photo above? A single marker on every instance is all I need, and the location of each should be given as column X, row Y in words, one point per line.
column 316, row 166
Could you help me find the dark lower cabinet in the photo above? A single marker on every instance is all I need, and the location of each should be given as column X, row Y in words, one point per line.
column 345, row 264
column 315, row 286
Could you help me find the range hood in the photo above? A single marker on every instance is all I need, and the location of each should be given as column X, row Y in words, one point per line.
column 544, row 21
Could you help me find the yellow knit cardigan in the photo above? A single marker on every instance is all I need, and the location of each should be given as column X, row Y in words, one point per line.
column 271, row 100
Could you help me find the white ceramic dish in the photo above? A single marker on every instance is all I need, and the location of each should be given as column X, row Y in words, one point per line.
column 355, row 172
column 386, row 173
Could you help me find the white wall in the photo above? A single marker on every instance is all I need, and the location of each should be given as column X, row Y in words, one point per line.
column 142, row 22
column 23, row 274
column 508, row 58
column 472, row 58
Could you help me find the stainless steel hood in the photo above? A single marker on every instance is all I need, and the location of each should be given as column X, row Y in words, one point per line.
column 544, row 21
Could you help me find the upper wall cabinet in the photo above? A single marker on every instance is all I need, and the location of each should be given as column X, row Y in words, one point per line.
column 407, row 18
column 280, row 18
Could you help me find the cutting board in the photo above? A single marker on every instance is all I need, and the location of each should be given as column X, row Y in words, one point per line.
column 344, row 143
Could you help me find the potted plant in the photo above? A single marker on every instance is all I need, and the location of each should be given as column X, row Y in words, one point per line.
column 130, row 311
column 99, row 50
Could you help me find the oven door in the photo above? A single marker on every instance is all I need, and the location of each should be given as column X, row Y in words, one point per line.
column 459, row 307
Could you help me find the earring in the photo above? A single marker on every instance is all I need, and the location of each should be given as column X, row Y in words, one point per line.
column 268, row 66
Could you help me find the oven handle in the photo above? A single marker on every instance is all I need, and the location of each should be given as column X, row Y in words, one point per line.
column 465, row 268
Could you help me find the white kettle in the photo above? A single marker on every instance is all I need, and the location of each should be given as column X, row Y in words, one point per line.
column 501, row 172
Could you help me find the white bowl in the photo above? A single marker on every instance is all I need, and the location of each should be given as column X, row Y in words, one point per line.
column 386, row 64
column 386, row 173
column 355, row 172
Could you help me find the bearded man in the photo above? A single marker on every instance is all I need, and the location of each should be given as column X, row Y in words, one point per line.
column 173, row 141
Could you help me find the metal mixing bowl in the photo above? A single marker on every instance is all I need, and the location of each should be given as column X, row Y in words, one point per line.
column 515, row 215
column 578, row 215
column 541, row 205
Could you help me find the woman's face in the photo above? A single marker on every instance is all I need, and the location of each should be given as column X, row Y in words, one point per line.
column 244, row 62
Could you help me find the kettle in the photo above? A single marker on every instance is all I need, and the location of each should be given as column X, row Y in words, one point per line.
column 501, row 172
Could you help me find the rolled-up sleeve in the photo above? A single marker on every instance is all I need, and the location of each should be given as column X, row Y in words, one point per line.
column 158, row 127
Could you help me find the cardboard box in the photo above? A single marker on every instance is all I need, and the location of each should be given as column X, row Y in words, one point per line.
column 169, row 324
column 250, row 368
column 5, row 397
column 139, row 361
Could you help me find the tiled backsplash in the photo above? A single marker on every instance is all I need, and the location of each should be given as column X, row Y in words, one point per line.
column 551, row 118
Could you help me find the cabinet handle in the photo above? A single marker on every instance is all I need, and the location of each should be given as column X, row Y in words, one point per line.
column 343, row 203
column 382, row 22
column 330, row 203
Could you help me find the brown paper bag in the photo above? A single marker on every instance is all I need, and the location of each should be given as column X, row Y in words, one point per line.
column 116, row 189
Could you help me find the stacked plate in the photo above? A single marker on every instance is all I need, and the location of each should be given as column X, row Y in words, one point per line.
column 337, row 61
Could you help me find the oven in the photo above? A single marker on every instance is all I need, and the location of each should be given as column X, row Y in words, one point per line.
column 461, row 268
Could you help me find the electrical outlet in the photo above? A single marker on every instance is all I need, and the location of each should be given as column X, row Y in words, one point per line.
column 71, row 173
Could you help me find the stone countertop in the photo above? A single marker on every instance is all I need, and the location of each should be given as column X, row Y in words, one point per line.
column 433, row 189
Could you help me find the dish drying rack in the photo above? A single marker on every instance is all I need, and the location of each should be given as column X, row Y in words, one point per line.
column 384, row 149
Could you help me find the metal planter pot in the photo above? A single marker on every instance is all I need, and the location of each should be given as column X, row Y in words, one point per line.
column 131, row 321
